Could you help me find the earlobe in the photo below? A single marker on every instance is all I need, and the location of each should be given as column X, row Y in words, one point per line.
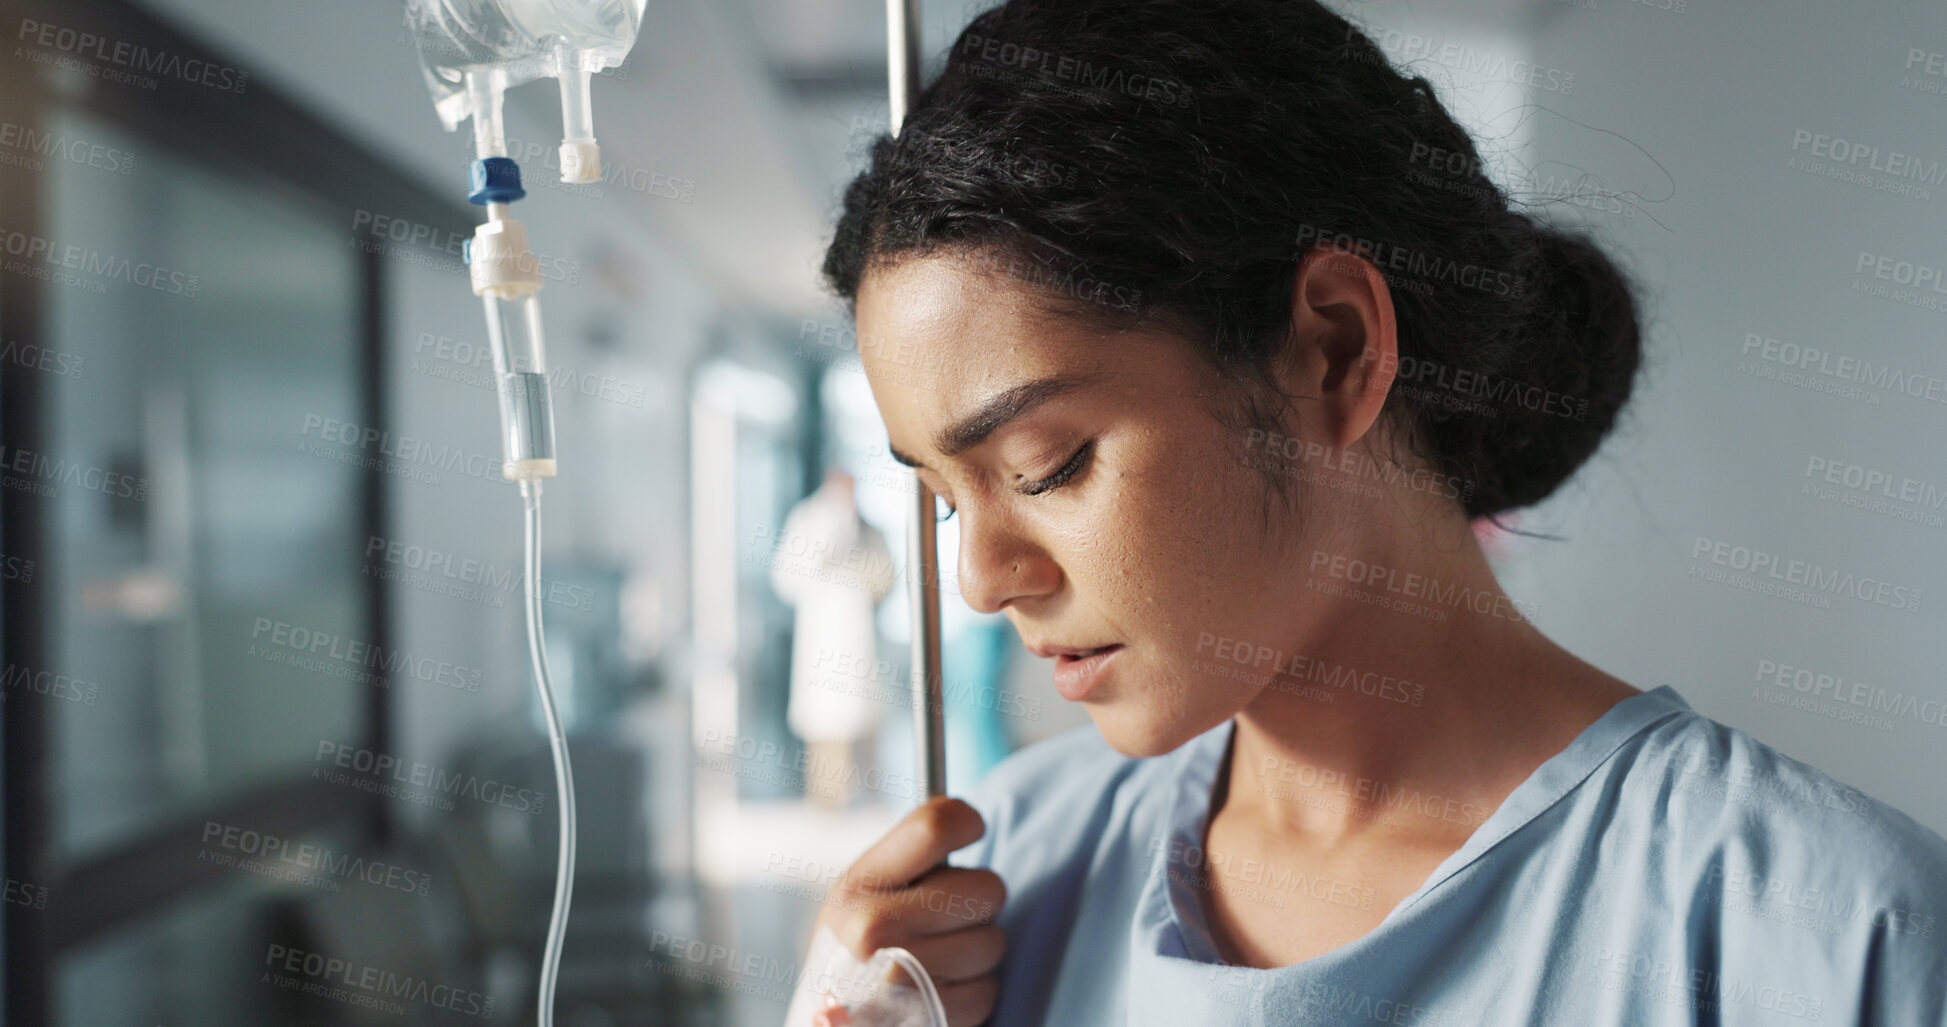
column 1346, row 349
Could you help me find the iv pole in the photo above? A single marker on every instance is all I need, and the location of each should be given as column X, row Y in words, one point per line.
column 922, row 548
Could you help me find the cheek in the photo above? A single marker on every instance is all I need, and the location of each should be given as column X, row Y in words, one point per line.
column 1180, row 550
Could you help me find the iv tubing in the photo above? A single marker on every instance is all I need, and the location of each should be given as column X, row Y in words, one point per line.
column 564, row 876
column 528, row 434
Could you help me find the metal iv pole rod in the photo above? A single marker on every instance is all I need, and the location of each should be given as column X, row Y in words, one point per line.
column 922, row 548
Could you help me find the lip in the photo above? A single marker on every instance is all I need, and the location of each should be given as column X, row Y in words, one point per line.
column 1076, row 676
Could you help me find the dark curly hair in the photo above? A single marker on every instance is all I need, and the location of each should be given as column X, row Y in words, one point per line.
column 1171, row 160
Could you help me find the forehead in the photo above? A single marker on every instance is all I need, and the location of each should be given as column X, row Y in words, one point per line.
column 936, row 333
column 940, row 300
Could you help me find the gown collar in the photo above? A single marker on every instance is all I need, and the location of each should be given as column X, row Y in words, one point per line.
column 1171, row 918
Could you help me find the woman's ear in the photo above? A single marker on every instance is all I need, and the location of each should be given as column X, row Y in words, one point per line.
column 1343, row 350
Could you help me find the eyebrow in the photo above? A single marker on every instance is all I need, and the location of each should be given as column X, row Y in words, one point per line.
column 991, row 416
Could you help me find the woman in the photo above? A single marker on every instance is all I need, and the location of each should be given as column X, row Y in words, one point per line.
column 1206, row 323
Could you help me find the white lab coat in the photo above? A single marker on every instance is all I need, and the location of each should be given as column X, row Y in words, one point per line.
column 834, row 569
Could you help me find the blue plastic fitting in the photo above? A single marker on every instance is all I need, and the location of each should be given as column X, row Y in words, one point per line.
column 494, row 180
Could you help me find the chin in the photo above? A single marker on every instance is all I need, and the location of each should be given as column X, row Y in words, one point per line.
column 1139, row 732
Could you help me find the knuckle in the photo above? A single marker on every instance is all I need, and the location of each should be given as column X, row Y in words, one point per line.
column 855, row 881
column 984, row 894
column 971, row 816
column 845, row 890
column 844, row 904
column 935, row 819
column 996, row 886
column 876, row 931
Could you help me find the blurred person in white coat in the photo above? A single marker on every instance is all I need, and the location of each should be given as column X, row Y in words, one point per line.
column 834, row 569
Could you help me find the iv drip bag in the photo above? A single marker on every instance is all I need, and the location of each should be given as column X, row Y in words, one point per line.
column 511, row 42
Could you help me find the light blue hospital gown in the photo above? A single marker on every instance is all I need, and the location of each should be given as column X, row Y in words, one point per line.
column 1662, row 869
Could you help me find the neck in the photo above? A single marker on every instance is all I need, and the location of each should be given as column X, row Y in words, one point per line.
column 1396, row 720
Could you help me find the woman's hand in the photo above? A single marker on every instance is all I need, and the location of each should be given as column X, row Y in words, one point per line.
column 899, row 893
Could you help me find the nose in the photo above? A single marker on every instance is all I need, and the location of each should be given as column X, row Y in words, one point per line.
column 999, row 564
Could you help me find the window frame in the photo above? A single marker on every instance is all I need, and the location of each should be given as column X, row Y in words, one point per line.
column 259, row 132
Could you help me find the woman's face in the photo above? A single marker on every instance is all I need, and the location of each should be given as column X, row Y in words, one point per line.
column 1101, row 500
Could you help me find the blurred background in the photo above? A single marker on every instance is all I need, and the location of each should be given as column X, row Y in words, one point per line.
column 268, row 723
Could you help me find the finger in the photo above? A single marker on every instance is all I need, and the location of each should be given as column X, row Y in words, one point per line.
column 962, row 955
column 969, row 1003
column 918, row 843
column 944, row 901
column 948, row 899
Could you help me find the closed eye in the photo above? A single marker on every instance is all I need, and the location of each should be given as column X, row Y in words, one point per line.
column 1061, row 477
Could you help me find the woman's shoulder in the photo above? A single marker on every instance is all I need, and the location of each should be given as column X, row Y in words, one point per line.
column 1756, row 869
column 1771, row 825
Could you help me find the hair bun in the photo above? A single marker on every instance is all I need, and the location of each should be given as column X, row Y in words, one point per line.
column 1567, row 379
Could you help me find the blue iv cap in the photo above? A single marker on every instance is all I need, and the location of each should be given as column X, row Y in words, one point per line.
column 494, row 180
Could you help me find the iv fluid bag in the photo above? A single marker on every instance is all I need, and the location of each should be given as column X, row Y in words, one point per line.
column 518, row 40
